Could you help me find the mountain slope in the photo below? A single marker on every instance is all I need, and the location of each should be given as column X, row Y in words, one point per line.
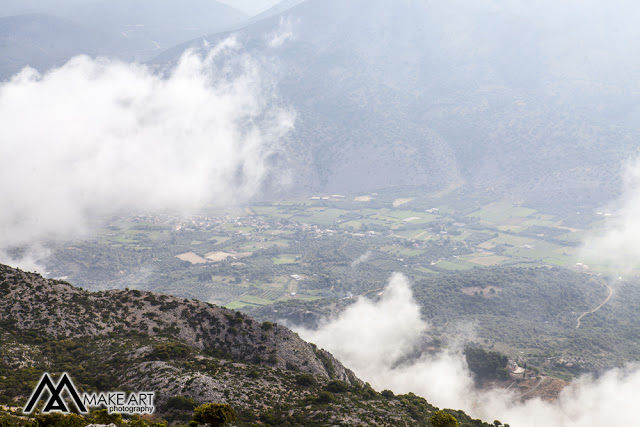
column 276, row 9
column 439, row 95
column 42, row 41
column 44, row 35
column 57, row 309
column 160, row 23
column 184, row 351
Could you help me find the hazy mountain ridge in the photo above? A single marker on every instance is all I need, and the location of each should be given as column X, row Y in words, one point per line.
column 47, row 35
column 42, row 41
column 439, row 96
column 163, row 22
column 276, row 9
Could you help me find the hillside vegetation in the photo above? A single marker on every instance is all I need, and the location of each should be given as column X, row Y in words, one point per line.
column 188, row 352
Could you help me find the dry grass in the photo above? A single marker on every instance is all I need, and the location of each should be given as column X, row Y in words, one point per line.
column 398, row 202
column 217, row 256
column 488, row 260
column 193, row 258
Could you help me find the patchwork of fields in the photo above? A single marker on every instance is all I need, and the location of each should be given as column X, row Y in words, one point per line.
column 307, row 248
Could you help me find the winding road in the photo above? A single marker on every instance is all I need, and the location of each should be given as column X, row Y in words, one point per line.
column 597, row 308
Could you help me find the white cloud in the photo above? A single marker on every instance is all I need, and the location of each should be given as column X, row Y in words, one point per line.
column 375, row 338
column 362, row 258
column 618, row 245
column 373, row 332
column 283, row 33
column 97, row 136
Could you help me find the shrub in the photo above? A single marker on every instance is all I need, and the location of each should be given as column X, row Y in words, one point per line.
column 336, row 386
column 57, row 419
column 181, row 403
column 305, row 380
column 325, row 397
column 101, row 416
column 168, row 351
column 443, row 419
column 387, row 393
column 486, row 364
column 214, row 414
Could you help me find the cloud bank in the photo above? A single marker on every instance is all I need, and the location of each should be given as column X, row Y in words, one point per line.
column 96, row 137
column 374, row 339
column 618, row 245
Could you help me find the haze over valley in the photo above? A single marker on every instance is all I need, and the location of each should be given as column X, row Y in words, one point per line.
column 378, row 208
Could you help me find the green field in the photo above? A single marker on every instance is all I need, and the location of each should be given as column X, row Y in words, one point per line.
column 501, row 213
column 454, row 265
column 310, row 247
column 285, row 259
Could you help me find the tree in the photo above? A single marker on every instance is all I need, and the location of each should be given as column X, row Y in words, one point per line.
column 58, row 419
column 214, row 414
column 336, row 386
column 181, row 403
column 443, row 419
column 101, row 416
column 305, row 380
column 387, row 393
column 325, row 397
column 486, row 364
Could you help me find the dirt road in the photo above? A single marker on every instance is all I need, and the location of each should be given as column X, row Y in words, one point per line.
column 597, row 308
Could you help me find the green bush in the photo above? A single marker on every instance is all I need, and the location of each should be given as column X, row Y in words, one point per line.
column 336, row 386
column 305, row 380
column 325, row 397
column 387, row 393
column 181, row 403
column 169, row 351
column 443, row 419
column 101, row 416
column 57, row 419
column 486, row 364
column 214, row 414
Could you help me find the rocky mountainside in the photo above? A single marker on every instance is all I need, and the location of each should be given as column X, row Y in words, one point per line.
column 57, row 309
column 185, row 351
